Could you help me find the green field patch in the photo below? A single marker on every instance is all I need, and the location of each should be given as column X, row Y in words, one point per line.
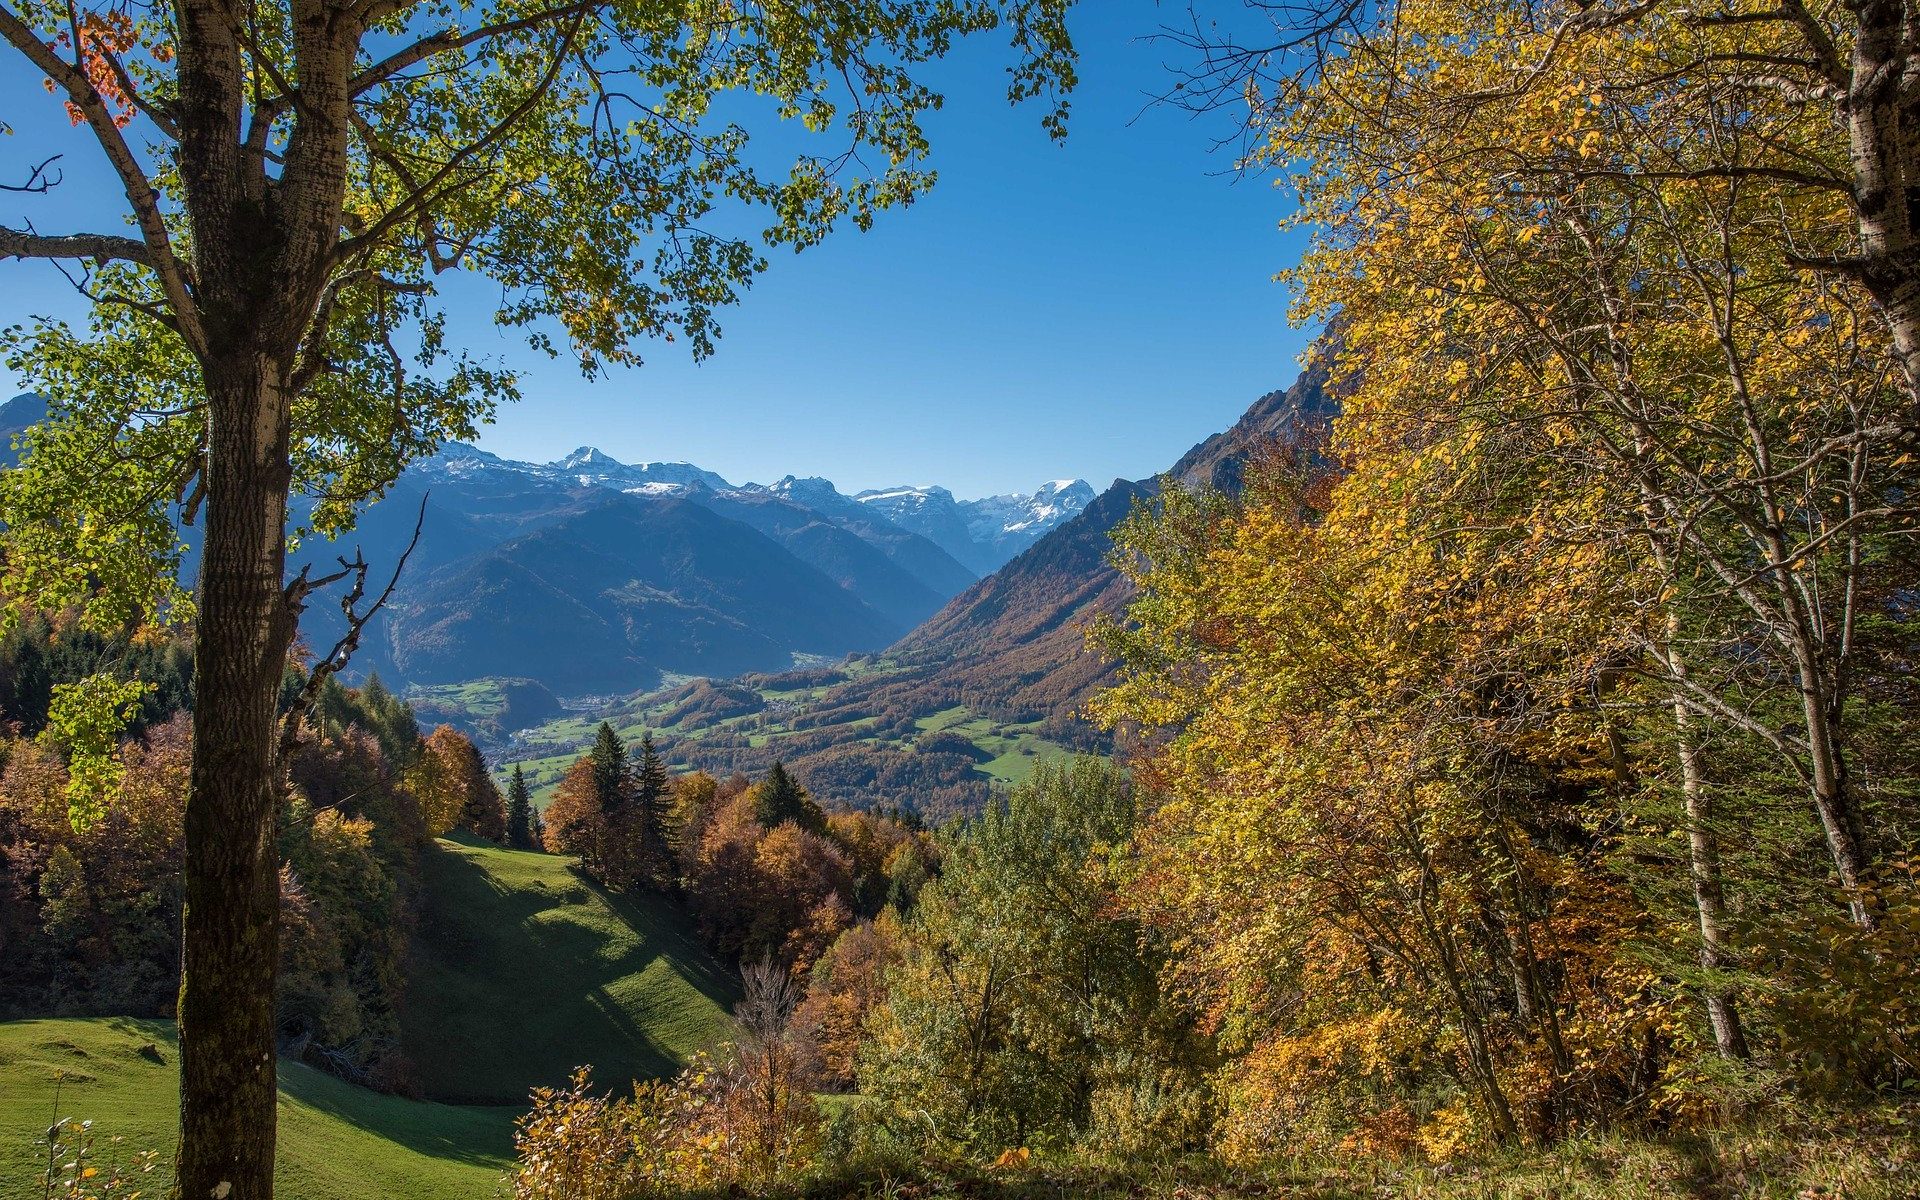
column 476, row 697
column 543, row 774
column 337, row 1141
column 945, row 719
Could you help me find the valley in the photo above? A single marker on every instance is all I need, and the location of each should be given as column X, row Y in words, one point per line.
column 968, row 701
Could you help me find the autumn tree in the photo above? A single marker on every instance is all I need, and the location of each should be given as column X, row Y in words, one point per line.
column 695, row 797
column 482, row 812
column 434, row 784
column 449, row 779
column 295, row 179
column 1383, row 805
column 1812, row 105
column 846, row 983
column 1648, row 275
column 573, row 821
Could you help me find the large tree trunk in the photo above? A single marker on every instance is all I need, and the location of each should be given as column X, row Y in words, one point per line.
column 230, row 943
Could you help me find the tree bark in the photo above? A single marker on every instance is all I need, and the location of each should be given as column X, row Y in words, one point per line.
column 1846, row 840
column 1703, row 861
column 231, row 927
column 1879, row 113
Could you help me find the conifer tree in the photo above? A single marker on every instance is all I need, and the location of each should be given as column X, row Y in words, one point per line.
column 391, row 721
column 520, row 814
column 611, row 782
column 622, row 857
column 779, row 798
column 649, row 817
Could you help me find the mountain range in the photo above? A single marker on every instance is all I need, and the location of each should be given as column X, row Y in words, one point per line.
column 973, row 696
column 593, row 576
column 1012, row 646
column 587, row 576
column 590, row 576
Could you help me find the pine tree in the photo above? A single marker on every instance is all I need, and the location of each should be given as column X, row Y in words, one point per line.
column 650, row 801
column 520, row 814
column 611, row 782
column 621, row 860
column 390, row 720
column 779, row 798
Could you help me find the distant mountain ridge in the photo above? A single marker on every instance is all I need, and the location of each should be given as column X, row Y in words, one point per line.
column 980, row 534
column 1005, row 663
column 985, row 534
column 1015, row 642
column 588, row 575
column 591, row 576
column 16, row 416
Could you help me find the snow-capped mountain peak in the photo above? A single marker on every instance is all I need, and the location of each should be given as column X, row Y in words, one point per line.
column 982, row 533
column 916, row 495
column 588, row 458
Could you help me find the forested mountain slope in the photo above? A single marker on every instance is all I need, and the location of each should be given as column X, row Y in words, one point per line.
column 1013, row 645
column 970, row 699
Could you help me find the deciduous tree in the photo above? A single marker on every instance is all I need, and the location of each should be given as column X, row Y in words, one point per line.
column 295, row 179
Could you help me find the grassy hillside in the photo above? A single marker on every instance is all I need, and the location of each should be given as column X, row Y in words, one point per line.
column 523, row 970
column 337, row 1141
column 856, row 733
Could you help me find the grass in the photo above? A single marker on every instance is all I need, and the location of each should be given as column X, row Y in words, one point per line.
column 476, row 697
column 543, row 775
column 337, row 1141
column 524, row 970
column 1008, row 752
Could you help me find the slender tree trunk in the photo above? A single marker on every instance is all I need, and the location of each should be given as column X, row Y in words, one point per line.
column 230, row 935
column 1703, row 860
column 1838, row 820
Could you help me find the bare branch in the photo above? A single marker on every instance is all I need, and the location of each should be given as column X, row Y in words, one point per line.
column 357, row 619
column 100, row 247
column 39, row 181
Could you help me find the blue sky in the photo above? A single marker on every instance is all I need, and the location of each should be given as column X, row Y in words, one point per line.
column 1088, row 309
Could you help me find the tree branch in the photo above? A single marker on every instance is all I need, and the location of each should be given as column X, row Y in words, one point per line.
column 38, row 180
column 420, row 199
column 139, row 190
column 453, row 39
column 15, row 243
column 343, row 649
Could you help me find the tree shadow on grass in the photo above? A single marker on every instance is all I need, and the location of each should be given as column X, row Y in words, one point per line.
column 512, row 987
column 476, row 1135
column 673, row 939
